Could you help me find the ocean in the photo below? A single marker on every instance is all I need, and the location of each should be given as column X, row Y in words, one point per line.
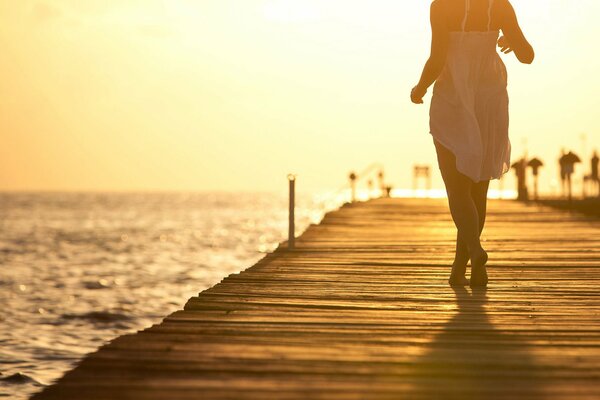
column 79, row 269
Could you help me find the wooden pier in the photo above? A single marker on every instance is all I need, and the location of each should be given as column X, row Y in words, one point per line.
column 360, row 309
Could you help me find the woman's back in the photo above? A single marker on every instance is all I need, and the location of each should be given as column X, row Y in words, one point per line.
column 482, row 15
column 469, row 108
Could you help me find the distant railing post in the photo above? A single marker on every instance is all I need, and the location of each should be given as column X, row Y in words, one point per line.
column 380, row 177
column 352, row 178
column 292, row 206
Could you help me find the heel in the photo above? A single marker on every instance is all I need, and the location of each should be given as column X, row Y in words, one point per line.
column 479, row 276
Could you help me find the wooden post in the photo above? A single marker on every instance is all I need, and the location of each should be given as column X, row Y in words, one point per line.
column 292, row 206
column 353, row 185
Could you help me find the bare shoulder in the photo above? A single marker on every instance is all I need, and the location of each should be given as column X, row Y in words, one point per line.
column 506, row 13
column 438, row 5
column 503, row 7
column 438, row 10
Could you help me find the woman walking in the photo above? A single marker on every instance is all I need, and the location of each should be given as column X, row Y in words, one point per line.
column 469, row 113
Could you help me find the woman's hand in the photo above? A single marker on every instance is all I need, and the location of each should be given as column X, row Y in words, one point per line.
column 417, row 94
column 505, row 47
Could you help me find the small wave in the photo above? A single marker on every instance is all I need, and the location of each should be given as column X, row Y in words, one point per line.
column 20, row 379
column 98, row 316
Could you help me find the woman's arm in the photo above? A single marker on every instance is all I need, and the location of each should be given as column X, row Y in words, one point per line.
column 514, row 38
column 440, row 38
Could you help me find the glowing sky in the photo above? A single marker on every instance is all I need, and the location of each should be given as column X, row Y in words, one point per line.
column 234, row 94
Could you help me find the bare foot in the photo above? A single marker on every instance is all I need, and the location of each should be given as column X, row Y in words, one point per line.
column 458, row 281
column 457, row 276
column 479, row 276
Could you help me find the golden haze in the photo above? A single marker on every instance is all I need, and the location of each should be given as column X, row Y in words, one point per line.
column 233, row 95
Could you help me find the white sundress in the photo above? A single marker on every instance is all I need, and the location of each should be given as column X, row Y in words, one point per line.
column 469, row 107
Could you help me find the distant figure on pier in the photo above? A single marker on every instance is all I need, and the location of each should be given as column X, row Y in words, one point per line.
column 520, row 168
column 567, row 168
column 535, row 164
column 421, row 171
column 469, row 113
column 563, row 172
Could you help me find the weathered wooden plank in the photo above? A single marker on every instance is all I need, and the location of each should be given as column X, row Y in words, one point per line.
column 361, row 310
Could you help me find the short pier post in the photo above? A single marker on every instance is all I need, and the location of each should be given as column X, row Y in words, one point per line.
column 380, row 177
column 292, row 206
column 353, row 178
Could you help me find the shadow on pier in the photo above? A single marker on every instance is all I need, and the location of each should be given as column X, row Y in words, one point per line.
column 475, row 359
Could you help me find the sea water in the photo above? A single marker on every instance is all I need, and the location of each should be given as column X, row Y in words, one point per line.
column 79, row 269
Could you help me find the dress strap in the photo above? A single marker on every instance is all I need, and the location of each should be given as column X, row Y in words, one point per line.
column 467, row 9
column 490, row 4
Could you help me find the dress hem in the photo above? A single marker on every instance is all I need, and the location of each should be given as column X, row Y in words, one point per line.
column 450, row 149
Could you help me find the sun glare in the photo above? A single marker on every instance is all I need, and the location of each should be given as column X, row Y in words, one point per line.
column 262, row 73
column 291, row 11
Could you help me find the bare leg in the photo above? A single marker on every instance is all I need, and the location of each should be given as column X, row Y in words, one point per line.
column 479, row 192
column 461, row 254
column 460, row 190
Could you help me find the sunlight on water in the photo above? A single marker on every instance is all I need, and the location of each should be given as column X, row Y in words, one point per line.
column 81, row 269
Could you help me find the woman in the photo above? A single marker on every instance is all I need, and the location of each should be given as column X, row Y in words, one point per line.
column 469, row 113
